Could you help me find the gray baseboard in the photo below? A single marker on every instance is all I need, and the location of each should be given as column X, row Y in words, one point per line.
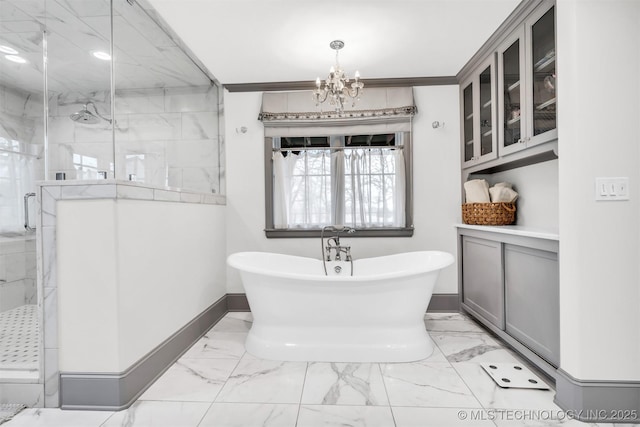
column 117, row 391
column 237, row 302
column 444, row 302
column 439, row 302
column 598, row 401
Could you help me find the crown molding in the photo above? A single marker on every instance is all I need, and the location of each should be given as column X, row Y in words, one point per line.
column 368, row 83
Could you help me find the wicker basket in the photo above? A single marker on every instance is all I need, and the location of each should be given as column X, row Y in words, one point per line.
column 489, row 213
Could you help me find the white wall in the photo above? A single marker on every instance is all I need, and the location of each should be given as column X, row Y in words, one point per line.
column 537, row 187
column 131, row 273
column 436, row 179
column 599, row 131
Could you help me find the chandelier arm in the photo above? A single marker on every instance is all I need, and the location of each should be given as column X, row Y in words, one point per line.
column 321, row 95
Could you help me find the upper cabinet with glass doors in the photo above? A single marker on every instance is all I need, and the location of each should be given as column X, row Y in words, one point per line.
column 479, row 135
column 508, row 94
column 527, row 84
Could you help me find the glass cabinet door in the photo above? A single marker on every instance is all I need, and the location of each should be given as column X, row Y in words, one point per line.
column 512, row 94
column 467, row 99
column 487, row 136
column 543, row 82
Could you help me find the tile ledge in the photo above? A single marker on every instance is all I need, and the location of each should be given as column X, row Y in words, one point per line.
column 190, row 196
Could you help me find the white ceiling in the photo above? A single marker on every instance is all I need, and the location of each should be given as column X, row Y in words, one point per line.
column 253, row 41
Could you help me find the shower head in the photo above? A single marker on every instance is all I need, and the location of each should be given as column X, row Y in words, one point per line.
column 87, row 117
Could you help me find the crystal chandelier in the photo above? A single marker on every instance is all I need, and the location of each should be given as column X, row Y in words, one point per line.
column 336, row 86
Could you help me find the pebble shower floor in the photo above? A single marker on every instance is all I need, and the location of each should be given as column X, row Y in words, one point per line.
column 19, row 338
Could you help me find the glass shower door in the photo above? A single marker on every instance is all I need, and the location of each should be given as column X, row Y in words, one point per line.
column 20, row 166
column 22, row 129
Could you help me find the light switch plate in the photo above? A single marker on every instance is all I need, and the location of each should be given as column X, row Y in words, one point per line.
column 612, row 188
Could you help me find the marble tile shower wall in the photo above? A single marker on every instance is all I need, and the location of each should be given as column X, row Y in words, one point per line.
column 20, row 117
column 17, row 272
column 164, row 136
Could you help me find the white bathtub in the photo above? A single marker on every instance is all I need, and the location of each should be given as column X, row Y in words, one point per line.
column 376, row 315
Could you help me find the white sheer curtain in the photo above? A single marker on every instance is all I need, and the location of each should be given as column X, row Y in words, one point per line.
column 282, row 174
column 362, row 188
column 375, row 190
column 302, row 189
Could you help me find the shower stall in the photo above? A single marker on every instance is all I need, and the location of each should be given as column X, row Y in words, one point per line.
column 90, row 90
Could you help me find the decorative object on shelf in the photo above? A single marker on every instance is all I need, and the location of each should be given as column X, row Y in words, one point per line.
column 550, row 83
column 489, row 206
column 489, row 213
column 336, row 87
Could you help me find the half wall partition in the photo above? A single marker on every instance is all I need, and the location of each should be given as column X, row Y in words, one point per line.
column 91, row 91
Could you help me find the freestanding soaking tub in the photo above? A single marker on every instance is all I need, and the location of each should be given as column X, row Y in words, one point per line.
column 376, row 315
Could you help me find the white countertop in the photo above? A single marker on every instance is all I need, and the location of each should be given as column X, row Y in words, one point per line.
column 515, row 230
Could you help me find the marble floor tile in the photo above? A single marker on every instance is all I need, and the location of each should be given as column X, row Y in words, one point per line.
column 159, row 414
column 343, row 416
column 491, row 395
column 218, row 345
column 192, row 380
column 472, row 347
column 344, row 384
column 445, row 316
column 451, row 323
column 515, row 419
column 437, row 355
column 264, row 381
column 39, row 417
column 427, row 384
column 250, row 414
column 439, row 417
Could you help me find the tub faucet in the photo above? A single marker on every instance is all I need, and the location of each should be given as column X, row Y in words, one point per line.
column 336, row 247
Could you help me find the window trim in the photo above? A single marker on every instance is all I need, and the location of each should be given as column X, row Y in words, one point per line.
column 272, row 232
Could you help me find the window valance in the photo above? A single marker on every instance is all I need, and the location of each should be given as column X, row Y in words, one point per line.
column 379, row 110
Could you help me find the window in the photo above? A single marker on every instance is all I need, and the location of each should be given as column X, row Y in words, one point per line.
column 361, row 181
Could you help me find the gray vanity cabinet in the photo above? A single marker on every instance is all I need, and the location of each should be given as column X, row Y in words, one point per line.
column 509, row 282
column 531, row 299
column 483, row 278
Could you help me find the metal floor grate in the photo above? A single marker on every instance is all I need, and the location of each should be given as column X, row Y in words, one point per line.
column 19, row 342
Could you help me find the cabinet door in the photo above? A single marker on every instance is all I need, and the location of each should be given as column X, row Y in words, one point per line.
column 482, row 279
column 541, row 77
column 479, row 138
column 532, row 307
column 487, row 136
column 511, row 94
column 468, row 127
